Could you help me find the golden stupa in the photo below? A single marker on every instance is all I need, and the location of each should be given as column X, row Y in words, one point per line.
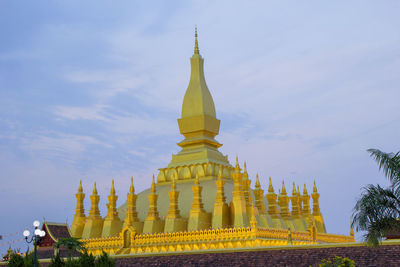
column 200, row 201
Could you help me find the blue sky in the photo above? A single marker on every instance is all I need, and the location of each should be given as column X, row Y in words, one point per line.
column 92, row 90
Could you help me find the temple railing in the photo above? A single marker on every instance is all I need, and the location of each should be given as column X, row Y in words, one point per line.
column 208, row 239
column 330, row 238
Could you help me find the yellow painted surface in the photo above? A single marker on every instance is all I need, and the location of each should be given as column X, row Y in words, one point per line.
column 200, row 201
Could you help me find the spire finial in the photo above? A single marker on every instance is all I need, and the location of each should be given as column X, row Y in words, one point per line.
column 112, row 191
column 315, row 188
column 270, row 187
column 257, row 185
column 196, row 181
column 196, row 44
column 237, row 168
column 153, row 186
column 294, row 189
column 94, row 189
column 283, row 188
column 80, row 189
column 131, row 189
column 305, row 190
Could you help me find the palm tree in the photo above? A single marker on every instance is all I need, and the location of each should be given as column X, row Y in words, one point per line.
column 71, row 244
column 377, row 211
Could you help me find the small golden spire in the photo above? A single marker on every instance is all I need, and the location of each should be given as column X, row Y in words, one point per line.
column 305, row 190
column 294, row 192
column 80, row 189
column 94, row 189
column 245, row 167
column 257, row 185
column 112, row 191
column 315, row 188
column 298, row 190
column 270, row 187
column 153, row 186
column 196, row 180
column 196, row 44
column 132, row 189
column 283, row 188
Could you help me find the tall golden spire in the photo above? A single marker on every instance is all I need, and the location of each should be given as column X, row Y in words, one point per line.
column 259, row 195
column 112, row 223
column 153, row 223
column 94, row 222
column 315, row 197
column 79, row 218
column 271, row 197
column 305, row 198
column 198, row 217
column 131, row 218
column 174, row 222
column 283, row 200
column 198, row 123
column 94, row 199
column 295, row 203
column 220, row 218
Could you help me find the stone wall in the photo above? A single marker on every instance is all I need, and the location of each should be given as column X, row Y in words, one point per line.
column 385, row 255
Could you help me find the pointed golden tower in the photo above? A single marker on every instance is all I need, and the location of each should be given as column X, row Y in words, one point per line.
column 174, row 222
column 131, row 218
column 298, row 221
column 79, row 218
column 198, row 123
column 295, row 203
column 221, row 216
column 153, row 223
column 198, row 218
column 306, row 202
column 239, row 216
column 112, row 223
column 283, row 201
column 273, row 212
column 246, row 183
column 319, row 221
column 94, row 223
column 265, row 220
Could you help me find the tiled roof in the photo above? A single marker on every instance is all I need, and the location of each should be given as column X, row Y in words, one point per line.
column 58, row 230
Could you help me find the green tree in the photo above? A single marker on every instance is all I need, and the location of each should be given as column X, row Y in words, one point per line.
column 71, row 244
column 377, row 211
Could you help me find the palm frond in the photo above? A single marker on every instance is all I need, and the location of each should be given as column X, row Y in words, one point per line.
column 389, row 163
column 376, row 212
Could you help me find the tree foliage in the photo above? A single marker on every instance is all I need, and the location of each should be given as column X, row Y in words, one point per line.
column 377, row 211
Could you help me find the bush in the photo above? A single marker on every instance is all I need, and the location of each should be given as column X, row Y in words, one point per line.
column 104, row 261
column 337, row 262
column 87, row 260
column 56, row 261
column 16, row 260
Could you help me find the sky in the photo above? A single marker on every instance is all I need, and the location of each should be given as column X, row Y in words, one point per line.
column 92, row 90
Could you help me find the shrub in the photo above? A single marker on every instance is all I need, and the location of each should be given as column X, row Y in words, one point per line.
column 16, row 260
column 104, row 261
column 337, row 262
